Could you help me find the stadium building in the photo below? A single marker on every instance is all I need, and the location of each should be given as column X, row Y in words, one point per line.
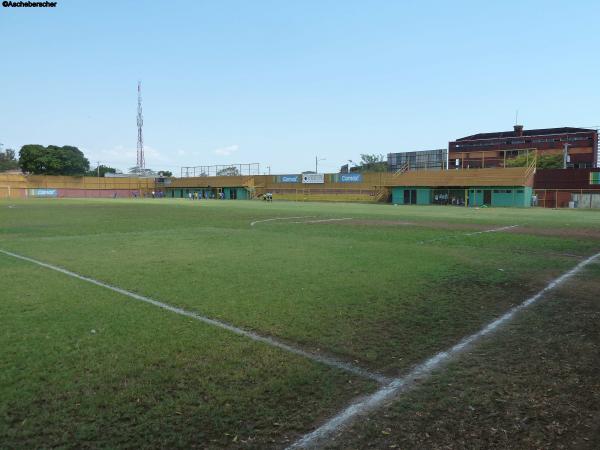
column 484, row 150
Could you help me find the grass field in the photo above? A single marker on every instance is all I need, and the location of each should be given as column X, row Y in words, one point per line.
column 380, row 287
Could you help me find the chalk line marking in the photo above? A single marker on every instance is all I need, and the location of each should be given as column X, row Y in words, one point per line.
column 423, row 370
column 279, row 218
column 327, row 360
column 324, row 220
column 493, row 230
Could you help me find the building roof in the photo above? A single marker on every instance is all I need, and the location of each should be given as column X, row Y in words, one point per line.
column 513, row 176
column 512, row 134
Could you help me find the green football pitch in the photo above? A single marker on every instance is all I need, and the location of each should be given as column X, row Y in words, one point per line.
column 375, row 287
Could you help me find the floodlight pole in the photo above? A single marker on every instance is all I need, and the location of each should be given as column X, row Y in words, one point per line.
column 317, row 163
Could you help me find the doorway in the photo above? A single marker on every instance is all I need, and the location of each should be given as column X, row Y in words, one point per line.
column 487, row 197
column 410, row 196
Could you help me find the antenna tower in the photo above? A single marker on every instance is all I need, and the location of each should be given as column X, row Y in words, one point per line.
column 141, row 162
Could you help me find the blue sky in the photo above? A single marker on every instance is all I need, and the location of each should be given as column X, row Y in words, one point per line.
column 278, row 82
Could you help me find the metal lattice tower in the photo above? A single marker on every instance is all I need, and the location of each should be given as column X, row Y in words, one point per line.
column 141, row 161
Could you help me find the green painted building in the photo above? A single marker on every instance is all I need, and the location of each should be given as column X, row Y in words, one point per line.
column 230, row 193
column 510, row 196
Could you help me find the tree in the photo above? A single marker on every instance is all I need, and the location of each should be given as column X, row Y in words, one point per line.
column 101, row 170
column 543, row 161
column 231, row 171
column 165, row 173
column 53, row 160
column 372, row 163
column 8, row 160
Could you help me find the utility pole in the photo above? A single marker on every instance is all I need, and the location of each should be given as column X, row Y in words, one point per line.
column 317, row 163
column 269, row 167
column 141, row 161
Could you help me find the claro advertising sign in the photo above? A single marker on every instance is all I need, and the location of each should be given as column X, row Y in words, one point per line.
column 288, row 179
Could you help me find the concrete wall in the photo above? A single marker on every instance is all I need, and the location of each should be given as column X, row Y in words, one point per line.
column 423, row 195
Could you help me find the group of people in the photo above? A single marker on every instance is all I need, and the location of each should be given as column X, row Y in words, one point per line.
column 268, row 197
column 204, row 195
column 445, row 199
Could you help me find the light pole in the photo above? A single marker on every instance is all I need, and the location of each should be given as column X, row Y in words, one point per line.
column 317, row 163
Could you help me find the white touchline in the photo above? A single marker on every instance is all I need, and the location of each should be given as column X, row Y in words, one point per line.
column 423, row 370
column 324, row 220
column 279, row 218
column 327, row 360
column 493, row 230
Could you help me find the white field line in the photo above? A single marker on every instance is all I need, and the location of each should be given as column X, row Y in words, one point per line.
column 327, row 360
column 493, row 230
column 324, row 220
column 279, row 218
column 423, row 370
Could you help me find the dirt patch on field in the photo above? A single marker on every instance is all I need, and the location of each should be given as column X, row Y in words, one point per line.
column 589, row 233
column 434, row 225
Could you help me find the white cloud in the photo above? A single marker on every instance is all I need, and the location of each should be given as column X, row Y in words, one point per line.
column 226, row 151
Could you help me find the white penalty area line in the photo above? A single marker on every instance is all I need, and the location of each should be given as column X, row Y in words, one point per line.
column 327, row 360
column 493, row 230
column 423, row 370
column 279, row 218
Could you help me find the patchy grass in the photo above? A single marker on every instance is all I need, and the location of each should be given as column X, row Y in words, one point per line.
column 83, row 367
column 534, row 384
column 309, row 284
column 384, row 297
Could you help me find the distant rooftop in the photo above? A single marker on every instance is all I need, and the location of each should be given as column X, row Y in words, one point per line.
column 511, row 134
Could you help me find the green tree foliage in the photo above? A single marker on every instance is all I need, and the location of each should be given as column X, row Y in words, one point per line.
column 165, row 173
column 101, row 170
column 53, row 160
column 8, row 160
column 372, row 163
column 543, row 161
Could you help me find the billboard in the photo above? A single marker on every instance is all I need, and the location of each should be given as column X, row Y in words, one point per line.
column 313, row 178
column 349, row 178
column 288, row 178
column 43, row 192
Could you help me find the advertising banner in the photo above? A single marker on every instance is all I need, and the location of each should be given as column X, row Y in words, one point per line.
column 288, row 178
column 313, row 178
column 43, row 192
column 349, row 178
